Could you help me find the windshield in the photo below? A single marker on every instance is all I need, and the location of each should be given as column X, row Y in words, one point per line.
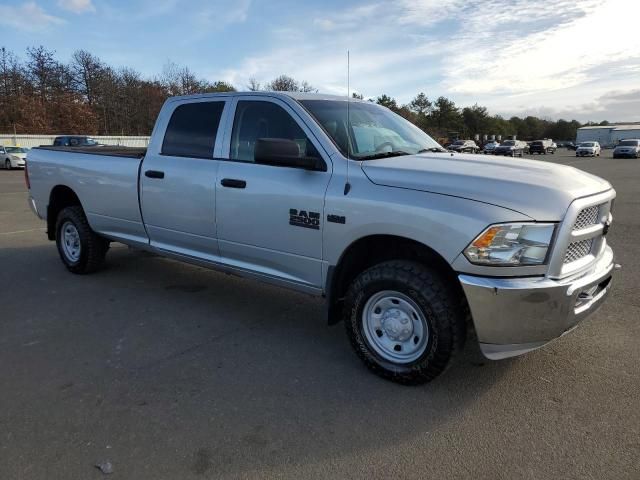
column 509, row 143
column 458, row 142
column 16, row 150
column 373, row 131
column 586, row 144
column 629, row 143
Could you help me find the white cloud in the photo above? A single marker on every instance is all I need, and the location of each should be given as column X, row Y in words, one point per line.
column 77, row 6
column 549, row 55
column 216, row 16
column 29, row 17
column 557, row 57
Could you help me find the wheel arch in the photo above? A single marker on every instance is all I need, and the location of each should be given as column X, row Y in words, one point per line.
column 61, row 196
column 373, row 249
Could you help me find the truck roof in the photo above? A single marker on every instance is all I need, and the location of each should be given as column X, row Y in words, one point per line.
column 294, row 95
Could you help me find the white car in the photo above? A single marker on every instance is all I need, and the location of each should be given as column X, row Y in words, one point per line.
column 588, row 149
column 13, row 157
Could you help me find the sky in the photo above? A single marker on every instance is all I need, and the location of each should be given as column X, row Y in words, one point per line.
column 551, row 58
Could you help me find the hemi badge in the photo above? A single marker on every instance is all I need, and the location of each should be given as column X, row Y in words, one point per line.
column 336, row 219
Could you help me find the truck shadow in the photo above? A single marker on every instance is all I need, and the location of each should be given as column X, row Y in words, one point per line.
column 201, row 373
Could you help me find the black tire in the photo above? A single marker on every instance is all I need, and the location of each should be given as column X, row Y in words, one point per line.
column 7, row 164
column 438, row 303
column 93, row 247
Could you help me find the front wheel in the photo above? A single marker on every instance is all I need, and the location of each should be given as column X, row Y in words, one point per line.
column 80, row 248
column 7, row 164
column 403, row 322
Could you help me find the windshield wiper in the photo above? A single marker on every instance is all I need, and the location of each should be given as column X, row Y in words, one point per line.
column 432, row 149
column 373, row 156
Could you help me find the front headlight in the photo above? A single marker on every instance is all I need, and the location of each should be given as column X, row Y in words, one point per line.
column 511, row 244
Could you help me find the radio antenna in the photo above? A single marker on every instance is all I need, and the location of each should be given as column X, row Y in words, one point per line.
column 347, row 185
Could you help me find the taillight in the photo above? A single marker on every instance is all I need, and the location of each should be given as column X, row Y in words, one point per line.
column 26, row 175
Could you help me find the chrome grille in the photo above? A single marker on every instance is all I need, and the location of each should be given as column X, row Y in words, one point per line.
column 587, row 217
column 577, row 250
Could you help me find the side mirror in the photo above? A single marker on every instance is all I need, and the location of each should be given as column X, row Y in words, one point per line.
column 282, row 152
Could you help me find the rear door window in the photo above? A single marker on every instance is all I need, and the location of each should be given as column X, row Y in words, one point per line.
column 192, row 130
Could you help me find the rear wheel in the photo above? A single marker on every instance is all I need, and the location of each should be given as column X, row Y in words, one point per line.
column 80, row 248
column 403, row 322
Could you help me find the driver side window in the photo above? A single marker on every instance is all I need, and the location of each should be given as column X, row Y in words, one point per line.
column 260, row 119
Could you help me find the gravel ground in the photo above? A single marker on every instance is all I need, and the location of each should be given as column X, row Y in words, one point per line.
column 171, row 371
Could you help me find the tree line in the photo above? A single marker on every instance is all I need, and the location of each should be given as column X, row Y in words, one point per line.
column 43, row 95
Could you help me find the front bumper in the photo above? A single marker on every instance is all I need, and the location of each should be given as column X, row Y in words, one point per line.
column 585, row 153
column 513, row 316
column 625, row 154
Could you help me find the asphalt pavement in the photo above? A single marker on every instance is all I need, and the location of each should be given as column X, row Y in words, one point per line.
column 170, row 371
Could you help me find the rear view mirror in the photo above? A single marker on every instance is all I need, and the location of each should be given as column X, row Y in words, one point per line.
column 282, row 152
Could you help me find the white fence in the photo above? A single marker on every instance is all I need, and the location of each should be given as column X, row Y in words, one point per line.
column 37, row 140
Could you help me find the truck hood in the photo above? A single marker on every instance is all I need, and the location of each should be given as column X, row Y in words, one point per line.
column 540, row 190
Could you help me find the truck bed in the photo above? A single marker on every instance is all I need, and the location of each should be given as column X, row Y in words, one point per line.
column 111, row 150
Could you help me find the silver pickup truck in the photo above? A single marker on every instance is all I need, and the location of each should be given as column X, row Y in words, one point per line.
column 409, row 244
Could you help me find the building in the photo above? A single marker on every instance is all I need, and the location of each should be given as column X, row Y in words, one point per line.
column 607, row 135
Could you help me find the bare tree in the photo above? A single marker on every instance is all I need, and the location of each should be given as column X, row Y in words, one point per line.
column 283, row 83
column 254, row 85
column 87, row 71
column 306, row 87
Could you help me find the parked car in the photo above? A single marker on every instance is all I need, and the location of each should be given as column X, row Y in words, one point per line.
column 512, row 148
column 627, row 148
column 588, row 149
column 406, row 245
column 464, row 146
column 75, row 141
column 490, row 147
column 572, row 146
column 13, row 157
column 542, row 147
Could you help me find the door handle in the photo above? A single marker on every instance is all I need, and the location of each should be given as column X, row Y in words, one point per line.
column 154, row 174
column 233, row 183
